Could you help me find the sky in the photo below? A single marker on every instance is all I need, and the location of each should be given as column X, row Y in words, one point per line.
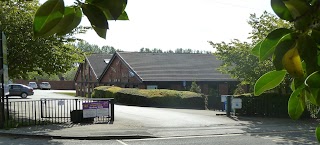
column 171, row 24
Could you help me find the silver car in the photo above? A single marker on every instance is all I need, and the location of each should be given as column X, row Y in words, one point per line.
column 20, row 90
column 45, row 86
column 33, row 85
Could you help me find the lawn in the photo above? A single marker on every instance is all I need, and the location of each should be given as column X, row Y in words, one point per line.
column 67, row 93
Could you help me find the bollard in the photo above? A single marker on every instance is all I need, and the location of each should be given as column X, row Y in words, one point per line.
column 112, row 109
column 2, row 115
column 228, row 109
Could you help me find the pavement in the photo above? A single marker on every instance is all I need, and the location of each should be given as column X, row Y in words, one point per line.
column 123, row 129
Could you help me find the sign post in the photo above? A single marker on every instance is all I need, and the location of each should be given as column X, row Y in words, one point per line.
column 4, row 79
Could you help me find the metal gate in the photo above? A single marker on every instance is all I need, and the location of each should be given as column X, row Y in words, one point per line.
column 50, row 110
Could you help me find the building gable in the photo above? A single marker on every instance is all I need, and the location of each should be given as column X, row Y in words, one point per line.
column 118, row 71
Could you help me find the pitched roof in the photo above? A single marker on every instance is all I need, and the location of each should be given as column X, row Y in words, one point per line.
column 174, row 67
column 97, row 62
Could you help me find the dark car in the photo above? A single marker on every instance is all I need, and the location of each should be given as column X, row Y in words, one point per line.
column 20, row 90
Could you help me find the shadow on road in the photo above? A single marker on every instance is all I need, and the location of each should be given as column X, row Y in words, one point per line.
column 282, row 130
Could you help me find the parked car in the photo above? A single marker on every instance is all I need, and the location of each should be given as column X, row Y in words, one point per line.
column 45, row 86
column 20, row 90
column 33, row 85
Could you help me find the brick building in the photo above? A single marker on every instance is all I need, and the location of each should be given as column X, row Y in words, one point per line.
column 166, row 71
column 88, row 73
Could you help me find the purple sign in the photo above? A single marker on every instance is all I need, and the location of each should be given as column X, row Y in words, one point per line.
column 95, row 109
column 96, row 105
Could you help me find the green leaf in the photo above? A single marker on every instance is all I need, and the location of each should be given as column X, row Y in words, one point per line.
column 281, row 10
column 313, row 95
column 47, row 17
column 318, row 133
column 97, row 19
column 296, row 104
column 308, row 52
column 313, row 80
column 72, row 18
column 269, row 43
column 256, row 49
column 286, row 42
column 316, row 36
column 297, row 8
column 297, row 83
column 303, row 23
column 268, row 81
column 113, row 9
column 123, row 16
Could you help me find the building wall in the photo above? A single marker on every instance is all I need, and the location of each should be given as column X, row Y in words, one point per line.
column 55, row 85
column 118, row 74
column 86, row 80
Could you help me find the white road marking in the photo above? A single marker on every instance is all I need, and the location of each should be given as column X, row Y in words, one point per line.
column 121, row 142
column 183, row 137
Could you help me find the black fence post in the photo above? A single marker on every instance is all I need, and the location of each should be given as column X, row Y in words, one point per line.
column 112, row 110
column 228, row 106
column 2, row 115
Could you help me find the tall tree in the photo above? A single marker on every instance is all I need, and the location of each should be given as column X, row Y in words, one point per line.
column 236, row 56
column 108, row 49
column 178, row 50
column 87, row 47
column 27, row 54
column 93, row 48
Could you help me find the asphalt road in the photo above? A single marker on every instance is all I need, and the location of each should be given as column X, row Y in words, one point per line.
column 38, row 94
column 236, row 139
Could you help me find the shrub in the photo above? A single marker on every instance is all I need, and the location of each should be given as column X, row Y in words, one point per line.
column 154, row 97
column 195, row 88
column 105, row 91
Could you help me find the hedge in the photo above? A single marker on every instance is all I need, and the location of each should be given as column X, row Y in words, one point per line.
column 154, row 97
column 267, row 105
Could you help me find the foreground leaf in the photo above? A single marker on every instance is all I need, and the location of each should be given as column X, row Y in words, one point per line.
column 113, row 9
column 296, row 104
column 308, row 52
column 47, row 17
column 297, row 8
column 268, row 45
column 286, row 42
column 72, row 18
column 256, row 49
column 313, row 80
column 313, row 95
column 97, row 19
column 318, row 133
column 281, row 10
column 268, row 81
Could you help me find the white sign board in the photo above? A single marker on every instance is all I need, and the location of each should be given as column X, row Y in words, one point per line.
column 224, row 98
column 236, row 103
column 95, row 109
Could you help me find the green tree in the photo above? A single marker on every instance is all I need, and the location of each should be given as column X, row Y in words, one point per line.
column 49, row 55
column 87, row 47
column 195, row 88
column 69, row 75
column 108, row 49
column 92, row 48
column 237, row 58
column 295, row 52
column 238, row 61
